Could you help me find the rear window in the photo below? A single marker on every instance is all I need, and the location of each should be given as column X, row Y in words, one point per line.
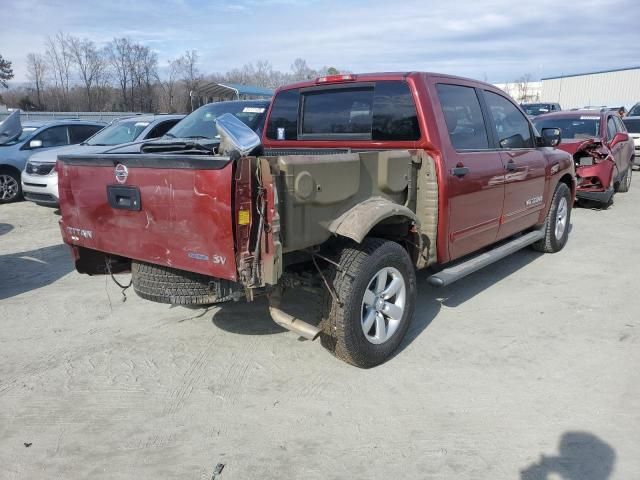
column 384, row 111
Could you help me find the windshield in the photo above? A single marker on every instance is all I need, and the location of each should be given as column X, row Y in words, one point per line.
column 585, row 126
column 536, row 108
column 635, row 111
column 633, row 125
column 26, row 133
column 122, row 132
column 201, row 123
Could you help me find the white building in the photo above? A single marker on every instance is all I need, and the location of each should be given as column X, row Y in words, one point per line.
column 610, row 88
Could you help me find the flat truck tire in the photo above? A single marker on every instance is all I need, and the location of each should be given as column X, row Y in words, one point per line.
column 366, row 314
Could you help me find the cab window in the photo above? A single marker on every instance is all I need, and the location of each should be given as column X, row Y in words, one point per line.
column 463, row 116
column 512, row 128
column 53, row 137
column 381, row 111
column 79, row 133
column 162, row 128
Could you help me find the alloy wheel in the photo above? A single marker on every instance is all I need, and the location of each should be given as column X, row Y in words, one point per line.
column 383, row 305
column 8, row 187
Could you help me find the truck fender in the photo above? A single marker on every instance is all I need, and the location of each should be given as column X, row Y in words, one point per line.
column 358, row 221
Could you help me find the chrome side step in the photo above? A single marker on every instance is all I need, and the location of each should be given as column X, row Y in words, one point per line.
column 456, row 272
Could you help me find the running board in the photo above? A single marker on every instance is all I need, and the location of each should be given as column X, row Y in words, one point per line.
column 456, row 272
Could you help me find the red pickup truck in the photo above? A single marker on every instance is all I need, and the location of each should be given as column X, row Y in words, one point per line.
column 359, row 181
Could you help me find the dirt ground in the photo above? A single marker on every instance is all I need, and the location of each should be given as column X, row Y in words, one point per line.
column 526, row 370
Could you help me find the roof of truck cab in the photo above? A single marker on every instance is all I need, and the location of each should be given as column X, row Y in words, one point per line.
column 364, row 77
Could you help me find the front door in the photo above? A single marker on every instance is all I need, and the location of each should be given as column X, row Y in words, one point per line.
column 525, row 165
column 474, row 171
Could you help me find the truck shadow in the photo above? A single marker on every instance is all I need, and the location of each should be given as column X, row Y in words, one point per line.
column 582, row 456
column 25, row 271
column 253, row 318
column 5, row 228
column 431, row 299
column 246, row 318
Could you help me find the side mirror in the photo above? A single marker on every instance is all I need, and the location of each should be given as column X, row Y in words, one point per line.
column 617, row 138
column 35, row 144
column 235, row 135
column 551, row 137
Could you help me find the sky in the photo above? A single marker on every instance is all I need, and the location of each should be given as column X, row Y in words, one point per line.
column 494, row 40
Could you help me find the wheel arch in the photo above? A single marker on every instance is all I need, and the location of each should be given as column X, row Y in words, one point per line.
column 10, row 168
column 381, row 218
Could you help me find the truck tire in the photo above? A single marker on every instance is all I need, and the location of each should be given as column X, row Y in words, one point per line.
column 375, row 290
column 169, row 285
column 556, row 225
column 625, row 182
column 10, row 186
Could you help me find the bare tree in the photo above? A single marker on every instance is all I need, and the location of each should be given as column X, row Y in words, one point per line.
column 119, row 54
column 90, row 62
column 36, row 71
column 60, row 60
column 301, row 70
column 191, row 76
column 523, row 86
column 169, row 85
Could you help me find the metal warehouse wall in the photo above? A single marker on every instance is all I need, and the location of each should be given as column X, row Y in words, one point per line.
column 612, row 89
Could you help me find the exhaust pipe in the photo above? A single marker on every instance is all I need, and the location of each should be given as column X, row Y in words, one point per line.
column 302, row 328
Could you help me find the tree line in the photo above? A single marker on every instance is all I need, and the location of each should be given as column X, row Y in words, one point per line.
column 75, row 74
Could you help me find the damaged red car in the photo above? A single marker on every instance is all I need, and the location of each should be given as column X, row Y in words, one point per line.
column 601, row 147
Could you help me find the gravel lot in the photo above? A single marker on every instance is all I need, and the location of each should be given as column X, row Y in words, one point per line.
column 526, row 368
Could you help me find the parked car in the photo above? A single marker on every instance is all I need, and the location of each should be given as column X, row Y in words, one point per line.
column 18, row 142
column 198, row 129
column 534, row 109
column 635, row 110
column 40, row 179
column 601, row 148
column 364, row 178
column 633, row 128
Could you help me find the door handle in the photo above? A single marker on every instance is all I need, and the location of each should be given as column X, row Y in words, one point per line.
column 511, row 166
column 459, row 171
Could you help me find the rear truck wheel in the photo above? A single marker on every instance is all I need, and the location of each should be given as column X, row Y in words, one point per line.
column 625, row 183
column 10, row 187
column 556, row 225
column 178, row 287
column 368, row 311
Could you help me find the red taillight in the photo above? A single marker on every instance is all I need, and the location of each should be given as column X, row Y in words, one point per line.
column 336, row 78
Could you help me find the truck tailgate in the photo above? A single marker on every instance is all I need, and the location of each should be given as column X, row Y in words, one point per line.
column 172, row 210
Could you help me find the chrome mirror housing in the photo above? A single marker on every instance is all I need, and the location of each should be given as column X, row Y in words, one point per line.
column 235, row 135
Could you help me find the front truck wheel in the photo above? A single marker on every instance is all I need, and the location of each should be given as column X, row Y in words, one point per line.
column 178, row 287
column 556, row 225
column 367, row 313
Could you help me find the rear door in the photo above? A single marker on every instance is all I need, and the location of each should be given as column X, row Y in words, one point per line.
column 525, row 165
column 617, row 150
column 627, row 148
column 474, row 171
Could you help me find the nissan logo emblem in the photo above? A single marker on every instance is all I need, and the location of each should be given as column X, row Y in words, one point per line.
column 122, row 172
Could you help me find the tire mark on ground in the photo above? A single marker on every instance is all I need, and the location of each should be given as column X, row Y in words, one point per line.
column 178, row 396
